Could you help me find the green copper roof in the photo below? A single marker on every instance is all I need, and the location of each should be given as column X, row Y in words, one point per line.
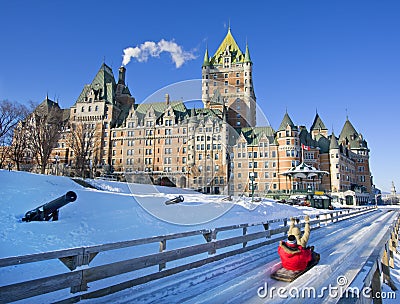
column 347, row 131
column 334, row 142
column 46, row 107
column 206, row 61
column 318, row 124
column 306, row 138
column 229, row 44
column 103, row 80
column 322, row 143
column 350, row 137
column 285, row 122
column 253, row 135
column 247, row 54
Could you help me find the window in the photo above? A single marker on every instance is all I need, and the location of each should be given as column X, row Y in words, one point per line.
column 226, row 76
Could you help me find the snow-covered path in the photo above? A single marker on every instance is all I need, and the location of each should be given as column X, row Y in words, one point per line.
column 344, row 246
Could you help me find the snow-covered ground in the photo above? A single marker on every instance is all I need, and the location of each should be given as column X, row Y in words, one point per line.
column 128, row 211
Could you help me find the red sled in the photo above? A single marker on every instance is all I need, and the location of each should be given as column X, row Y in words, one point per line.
column 286, row 275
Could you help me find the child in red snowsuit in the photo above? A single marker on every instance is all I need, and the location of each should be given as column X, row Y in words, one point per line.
column 294, row 257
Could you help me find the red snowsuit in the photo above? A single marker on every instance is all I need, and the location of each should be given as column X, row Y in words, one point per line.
column 294, row 257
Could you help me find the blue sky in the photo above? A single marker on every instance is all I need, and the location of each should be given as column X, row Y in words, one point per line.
column 335, row 57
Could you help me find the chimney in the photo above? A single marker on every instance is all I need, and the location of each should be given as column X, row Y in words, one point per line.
column 121, row 77
column 167, row 99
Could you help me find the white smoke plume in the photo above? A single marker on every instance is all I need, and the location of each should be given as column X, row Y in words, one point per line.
column 153, row 49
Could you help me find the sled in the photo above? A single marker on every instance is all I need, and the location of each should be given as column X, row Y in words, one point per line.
column 285, row 275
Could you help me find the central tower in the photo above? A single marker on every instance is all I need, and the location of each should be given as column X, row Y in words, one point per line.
column 227, row 82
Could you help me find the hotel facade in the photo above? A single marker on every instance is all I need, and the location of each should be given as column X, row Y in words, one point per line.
column 214, row 149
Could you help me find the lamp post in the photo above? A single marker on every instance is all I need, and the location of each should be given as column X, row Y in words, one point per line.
column 252, row 185
column 57, row 158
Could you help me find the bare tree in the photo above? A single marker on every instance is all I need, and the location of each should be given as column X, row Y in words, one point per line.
column 43, row 129
column 5, row 151
column 19, row 144
column 10, row 114
column 84, row 144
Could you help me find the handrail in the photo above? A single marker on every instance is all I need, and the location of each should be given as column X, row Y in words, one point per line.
column 368, row 280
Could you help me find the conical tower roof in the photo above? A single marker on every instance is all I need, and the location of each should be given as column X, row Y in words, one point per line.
column 318, row 124
column 229, row 43
column 334, row 143
column 285, row 122
column 206, row 61
column 348, row 131
column 103, row 80
column 46, row 106
column 247, row 54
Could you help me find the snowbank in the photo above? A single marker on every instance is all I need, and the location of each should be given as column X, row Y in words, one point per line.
column 123, row 212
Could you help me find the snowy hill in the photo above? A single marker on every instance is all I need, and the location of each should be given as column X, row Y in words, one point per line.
column 123, row 212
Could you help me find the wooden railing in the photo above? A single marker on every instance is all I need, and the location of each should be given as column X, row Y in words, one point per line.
column 366, row 287
column 251, row 236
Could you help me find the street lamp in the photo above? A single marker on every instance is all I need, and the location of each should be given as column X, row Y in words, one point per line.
column 57, row 158
column 252, row 185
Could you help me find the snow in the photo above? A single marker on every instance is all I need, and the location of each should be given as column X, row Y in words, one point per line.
column 122, row 211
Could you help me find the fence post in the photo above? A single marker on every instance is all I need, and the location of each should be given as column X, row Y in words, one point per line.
column 163, row 246
column 392, row 248
column 385, row 267
column 209, row 237
column 376, row 287
column 244, row 233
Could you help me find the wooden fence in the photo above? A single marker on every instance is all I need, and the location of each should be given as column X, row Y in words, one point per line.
column 214, row 249
column 366, row 287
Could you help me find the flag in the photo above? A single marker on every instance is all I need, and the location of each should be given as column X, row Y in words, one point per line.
column 304, row 147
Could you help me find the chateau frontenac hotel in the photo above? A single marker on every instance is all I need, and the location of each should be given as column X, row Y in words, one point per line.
column 214, row 149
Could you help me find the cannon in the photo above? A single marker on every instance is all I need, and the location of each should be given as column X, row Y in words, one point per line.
column 49, row 210
column 175, row 200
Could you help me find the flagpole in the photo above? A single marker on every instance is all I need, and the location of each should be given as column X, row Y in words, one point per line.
column 302, row 153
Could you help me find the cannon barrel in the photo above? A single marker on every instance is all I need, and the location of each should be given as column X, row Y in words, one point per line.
column 59, row 202
column 175, row 200
column 50, row 210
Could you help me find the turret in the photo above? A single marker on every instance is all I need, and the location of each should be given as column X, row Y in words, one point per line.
column 334, row 153
column 206, row 61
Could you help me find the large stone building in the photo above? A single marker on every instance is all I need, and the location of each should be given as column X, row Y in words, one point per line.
column 215, row 149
